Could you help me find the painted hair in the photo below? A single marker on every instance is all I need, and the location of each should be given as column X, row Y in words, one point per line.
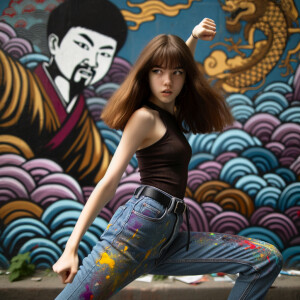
column 199, row 107
column 98, row 15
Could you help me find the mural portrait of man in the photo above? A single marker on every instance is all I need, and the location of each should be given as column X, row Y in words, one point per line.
column 51, row 120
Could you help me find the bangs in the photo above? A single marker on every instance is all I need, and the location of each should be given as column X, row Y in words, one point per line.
column 167, row 56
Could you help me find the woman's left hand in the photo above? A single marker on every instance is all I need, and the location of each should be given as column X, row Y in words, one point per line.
column 205, row 30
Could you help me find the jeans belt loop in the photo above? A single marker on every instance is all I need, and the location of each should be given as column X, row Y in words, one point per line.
column 141, row 188
column 170, row 208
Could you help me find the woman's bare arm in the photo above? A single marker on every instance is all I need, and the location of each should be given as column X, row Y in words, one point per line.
column 205, row 30
column 138, row 128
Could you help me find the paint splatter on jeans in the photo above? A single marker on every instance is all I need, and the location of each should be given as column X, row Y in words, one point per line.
column 143, row 237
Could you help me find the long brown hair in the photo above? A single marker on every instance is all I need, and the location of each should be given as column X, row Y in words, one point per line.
column 199, row 107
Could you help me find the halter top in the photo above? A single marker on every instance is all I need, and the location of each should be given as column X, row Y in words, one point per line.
column 164, row 164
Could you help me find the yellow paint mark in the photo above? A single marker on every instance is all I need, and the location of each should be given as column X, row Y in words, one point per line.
column 148, row 253
column 125, row 249
column 105, row 259
column 135, row 233
column 108, row 225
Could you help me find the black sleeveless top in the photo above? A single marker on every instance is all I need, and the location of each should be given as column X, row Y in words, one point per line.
column 164, row 164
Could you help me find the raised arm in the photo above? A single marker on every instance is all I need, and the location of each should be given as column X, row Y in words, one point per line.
column 205, row 30
column 137, row 129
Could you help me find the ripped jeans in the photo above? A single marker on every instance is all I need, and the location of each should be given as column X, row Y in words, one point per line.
column 143, row 237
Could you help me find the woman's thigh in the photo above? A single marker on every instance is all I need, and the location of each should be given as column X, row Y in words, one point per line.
column 127, row 249
column 216, row 252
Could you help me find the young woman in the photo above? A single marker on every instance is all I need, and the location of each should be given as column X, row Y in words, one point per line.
column 163, row 96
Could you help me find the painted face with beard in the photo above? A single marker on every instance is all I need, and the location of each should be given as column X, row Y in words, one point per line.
column 83, row 57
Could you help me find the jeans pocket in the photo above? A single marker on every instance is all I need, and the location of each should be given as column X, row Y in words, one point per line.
column 149, row 209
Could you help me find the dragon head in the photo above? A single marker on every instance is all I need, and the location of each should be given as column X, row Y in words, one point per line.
column 247, row 10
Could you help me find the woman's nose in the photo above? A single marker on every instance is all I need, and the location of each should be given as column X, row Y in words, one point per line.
column 167, row 79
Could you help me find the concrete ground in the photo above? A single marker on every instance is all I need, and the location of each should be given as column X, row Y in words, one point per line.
column 284, row 288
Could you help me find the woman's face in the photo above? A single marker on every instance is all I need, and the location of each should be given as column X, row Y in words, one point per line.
column 165, row 85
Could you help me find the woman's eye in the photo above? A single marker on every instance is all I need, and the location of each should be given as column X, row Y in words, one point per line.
column 178, row 72
column 156, row 71
column 82, row 45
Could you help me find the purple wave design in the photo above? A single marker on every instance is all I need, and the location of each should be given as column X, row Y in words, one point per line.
column 296, row 85
column 16, row 47
column 213, row 168
column 288, row 134
column 20, row 175
column 293, row 213
column 295, row 241
column 276, row 147
column 260, row 213
column 295, row 166
column 117, row 72
column 228, row 222
column 279, row 224
column 198, row 220
column 262, row 126
column 10, row 187
column 225, row 157
column 282, row 225
column 11, row 159
column 39, row 180
column 65, row 180
column 41, row 167
column 211, row 209
column 196, row 178
column 236, row 125
column 49, row 193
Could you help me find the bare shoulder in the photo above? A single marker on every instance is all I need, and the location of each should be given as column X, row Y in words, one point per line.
column 144, row 115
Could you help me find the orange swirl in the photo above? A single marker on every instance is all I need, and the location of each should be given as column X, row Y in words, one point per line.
column 18, row 209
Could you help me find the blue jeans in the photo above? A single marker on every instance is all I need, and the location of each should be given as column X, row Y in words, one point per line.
column 143, row 237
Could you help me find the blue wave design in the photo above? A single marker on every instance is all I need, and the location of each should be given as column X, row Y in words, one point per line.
column 21, row 229
column 96, row 101
column 202, row 142
column 264, row 235
column 238, row 99
column 291, row 257
column 42, row 249
column 279, row 87
column 250, row 184
column 292, row 114
column 263, row 158
column 242, row 113
column 287, row 174
column 199, row 158
column 236, row 168
column 107, row 87
column 57, row 208
column 4, row 263
column 275, row 180
column 289, row 196
column 233, row 140
column 267, row 196
column 273, row 98
column 31, row 60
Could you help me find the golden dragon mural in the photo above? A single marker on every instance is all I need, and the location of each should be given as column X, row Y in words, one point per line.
column 148, row 10
column 241, row 73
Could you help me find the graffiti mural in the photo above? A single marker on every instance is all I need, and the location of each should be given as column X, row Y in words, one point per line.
column 56, row 77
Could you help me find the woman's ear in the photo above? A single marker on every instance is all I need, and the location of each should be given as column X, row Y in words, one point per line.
column 53, row 43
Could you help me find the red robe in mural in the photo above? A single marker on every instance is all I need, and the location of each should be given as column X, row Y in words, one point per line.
column 34, row 123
